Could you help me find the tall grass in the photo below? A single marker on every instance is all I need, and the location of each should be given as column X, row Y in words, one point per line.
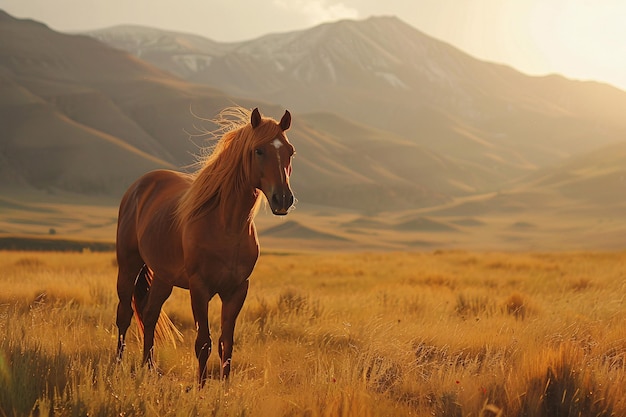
column 370, row 334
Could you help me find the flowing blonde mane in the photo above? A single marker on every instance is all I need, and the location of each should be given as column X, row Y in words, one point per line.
column 226, row 168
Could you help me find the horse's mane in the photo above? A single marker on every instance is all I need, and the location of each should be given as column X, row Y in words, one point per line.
column 226, row 168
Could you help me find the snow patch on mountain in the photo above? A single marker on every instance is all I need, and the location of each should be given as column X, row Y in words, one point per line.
column 378, row 52
column 140, row 40
column 393, row 80
column 193, row 62
column 330, row 68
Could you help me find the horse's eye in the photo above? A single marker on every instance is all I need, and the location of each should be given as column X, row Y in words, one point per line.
column 258, row 152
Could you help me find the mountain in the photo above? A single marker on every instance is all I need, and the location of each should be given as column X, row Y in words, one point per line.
column 78, row 116
column 387, row 73
column 402, row 141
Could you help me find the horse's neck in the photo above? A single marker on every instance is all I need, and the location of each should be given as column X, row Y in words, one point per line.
column 237, row 214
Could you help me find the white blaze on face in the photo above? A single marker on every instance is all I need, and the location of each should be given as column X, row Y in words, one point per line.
column 277, row 143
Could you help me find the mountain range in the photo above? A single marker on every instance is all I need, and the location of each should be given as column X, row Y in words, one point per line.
column 400, row 138
column 387, row 73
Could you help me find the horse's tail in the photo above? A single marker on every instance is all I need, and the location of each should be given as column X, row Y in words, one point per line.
column 165, row 330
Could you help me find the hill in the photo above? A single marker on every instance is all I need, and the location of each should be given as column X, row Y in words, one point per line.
column 103, row 117
column 402, row 140
column 395, row 78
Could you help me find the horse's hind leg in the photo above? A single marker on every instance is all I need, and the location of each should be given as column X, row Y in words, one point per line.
column 128, row 268
column 159, row 292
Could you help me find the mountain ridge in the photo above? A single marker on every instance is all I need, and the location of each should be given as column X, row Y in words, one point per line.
column 398, row 79
column 137, row 116
column 478, row 152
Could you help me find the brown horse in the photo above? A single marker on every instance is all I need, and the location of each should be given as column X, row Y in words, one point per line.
column 197, row 231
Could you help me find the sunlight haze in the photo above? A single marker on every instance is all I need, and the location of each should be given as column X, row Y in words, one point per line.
column 457, row 170
column 576, row 38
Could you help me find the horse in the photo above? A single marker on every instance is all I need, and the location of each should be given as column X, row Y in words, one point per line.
column 196, row 231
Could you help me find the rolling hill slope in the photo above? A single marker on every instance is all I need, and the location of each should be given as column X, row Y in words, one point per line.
column 402, row 141
column 103, row 117
column 397, row 79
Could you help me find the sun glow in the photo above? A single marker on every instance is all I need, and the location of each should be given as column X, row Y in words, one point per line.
column 581, row 38
column 576, row 38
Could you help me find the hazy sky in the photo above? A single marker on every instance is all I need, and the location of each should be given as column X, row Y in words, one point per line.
column 582, row 39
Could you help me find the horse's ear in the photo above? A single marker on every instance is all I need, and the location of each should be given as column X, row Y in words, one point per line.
column 285, row 122
column 255, row 118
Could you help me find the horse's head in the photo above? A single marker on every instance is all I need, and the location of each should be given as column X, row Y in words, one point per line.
column 271, row 161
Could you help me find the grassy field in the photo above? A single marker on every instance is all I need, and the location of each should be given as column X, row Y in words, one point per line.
column 370, row 334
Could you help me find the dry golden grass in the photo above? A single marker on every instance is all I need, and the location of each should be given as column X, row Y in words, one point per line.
column 380, row 334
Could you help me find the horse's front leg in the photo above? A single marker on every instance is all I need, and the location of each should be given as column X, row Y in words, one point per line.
column 200, row 306
column 231, row 306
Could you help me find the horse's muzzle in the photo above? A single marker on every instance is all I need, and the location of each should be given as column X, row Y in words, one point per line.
column 280, row 203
